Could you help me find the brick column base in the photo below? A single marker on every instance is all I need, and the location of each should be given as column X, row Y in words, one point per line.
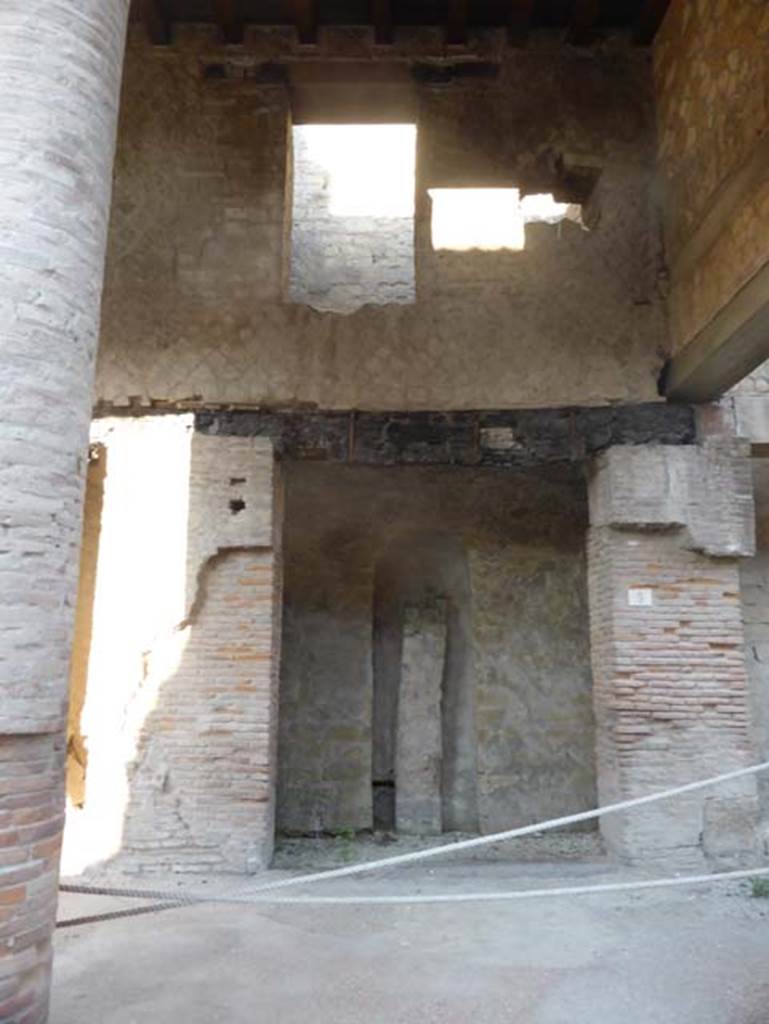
column 31, row 821
column 670, row 686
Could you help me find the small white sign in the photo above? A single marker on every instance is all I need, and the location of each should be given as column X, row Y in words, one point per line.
column 640, row 597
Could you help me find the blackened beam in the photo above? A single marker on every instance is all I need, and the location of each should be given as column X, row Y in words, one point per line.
column 649, row 20
column 519, row 21
column 230, row 19
column 306, row 20
column 456, row 22
column 156, row 21
column 583, row 18
column 526, row 437
column 381, row 16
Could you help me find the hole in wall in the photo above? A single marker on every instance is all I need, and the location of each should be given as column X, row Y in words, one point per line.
column 492, row 219
column 237, row 505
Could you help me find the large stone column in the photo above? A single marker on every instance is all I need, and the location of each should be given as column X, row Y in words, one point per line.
column 667, row 528
column 60, row 66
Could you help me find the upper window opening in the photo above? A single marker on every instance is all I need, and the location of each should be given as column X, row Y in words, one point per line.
column 491, row 218
column 352, row 234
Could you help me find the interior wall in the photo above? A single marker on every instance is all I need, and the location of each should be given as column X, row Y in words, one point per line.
column 712, row 86
column 520, row 538
column 194, row 304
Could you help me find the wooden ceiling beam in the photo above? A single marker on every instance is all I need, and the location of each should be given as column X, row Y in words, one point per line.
column 382, row 19
column 456, row 22
column 230, row 19
column 156, row 21
column 649, row 21
column 519, row 21
column 584, row 15
column 306, row 20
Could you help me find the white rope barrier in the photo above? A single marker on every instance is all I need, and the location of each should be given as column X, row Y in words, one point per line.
column 513, row 833
column 518, row 894
column 451, row 848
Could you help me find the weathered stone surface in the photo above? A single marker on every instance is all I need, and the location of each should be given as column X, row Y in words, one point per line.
column 419, row 735
column 704, row 490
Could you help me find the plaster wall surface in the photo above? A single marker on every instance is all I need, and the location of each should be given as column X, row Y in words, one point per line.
column 527, row 635
column 712, row 82
column 195, row 305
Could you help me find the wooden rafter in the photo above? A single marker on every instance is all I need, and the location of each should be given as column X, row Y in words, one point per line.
column 156, row 21
column 519, row 21
column 456, row 22
column 230, row 19
column 382, row 18
column 306, row 20
column 584, row 14
column 649, row 20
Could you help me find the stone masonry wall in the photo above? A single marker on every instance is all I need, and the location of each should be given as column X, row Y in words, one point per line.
column 712, row 83
column 522, row 539
column 179, row 713
column 195, row 305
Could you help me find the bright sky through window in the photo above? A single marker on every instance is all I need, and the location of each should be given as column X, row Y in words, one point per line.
column 490, row 218
column 370, row 167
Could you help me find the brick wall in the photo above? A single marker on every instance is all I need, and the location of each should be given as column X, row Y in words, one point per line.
column 31, row 818
column 179, row 711
column 669, row 679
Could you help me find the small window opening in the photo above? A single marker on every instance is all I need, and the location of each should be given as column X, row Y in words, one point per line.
column 492, row 218
column 352, row 234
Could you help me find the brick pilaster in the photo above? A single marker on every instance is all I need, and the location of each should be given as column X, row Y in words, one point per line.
column 670, row 686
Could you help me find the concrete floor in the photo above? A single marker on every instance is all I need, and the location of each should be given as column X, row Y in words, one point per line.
column 671, row 957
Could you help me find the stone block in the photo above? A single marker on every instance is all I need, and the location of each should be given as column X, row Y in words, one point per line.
column 705, row 491
column 418, row 751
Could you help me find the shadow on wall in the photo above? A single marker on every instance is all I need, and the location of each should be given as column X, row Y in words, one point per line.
column 421, row 634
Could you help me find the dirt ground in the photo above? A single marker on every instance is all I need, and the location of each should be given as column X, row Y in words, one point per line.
column 681, row 956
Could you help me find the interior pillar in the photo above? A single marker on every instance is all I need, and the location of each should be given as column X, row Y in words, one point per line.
column 668, row 525
column 60, row 69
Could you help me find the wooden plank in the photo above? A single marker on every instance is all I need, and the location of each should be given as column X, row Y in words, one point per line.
column 727, row 349
column 230, row 19
column 382, row 18
column 456, row 22
column 305, row 14
column 584, row 14
column 519, row 21
column 649, row 20
column 156, row 21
